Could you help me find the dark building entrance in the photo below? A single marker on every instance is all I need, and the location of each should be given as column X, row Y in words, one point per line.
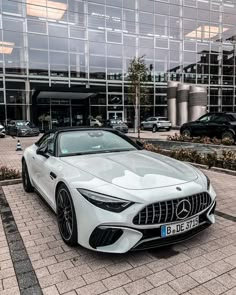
column 59, row 106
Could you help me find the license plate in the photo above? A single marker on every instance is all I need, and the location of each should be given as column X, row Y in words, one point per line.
column 180, row 227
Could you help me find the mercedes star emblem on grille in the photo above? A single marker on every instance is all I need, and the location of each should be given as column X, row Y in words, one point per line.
column 183, row 209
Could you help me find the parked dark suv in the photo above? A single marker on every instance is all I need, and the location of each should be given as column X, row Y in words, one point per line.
column 220, row 125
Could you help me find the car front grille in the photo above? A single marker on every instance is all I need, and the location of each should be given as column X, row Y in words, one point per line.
column 165, row 211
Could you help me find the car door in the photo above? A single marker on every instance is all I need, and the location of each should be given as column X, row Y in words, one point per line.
column 145, row 123
column 44, row 168
column 200, row 126
column 218, row 124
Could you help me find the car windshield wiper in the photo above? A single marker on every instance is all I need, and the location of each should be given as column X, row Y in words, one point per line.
column 96, row 152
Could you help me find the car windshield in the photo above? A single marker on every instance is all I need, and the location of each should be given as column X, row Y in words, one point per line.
column 82, row 142
column 21, row 123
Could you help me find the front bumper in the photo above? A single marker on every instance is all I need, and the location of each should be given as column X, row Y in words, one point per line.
column 30, row 132
column 110, row 232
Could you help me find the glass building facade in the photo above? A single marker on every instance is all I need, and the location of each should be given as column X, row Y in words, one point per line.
column 63, row 60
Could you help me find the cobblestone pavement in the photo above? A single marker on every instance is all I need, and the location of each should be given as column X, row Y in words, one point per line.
column 204, row 265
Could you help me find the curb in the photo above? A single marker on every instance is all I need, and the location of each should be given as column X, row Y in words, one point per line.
column 10, row 181
column 214, row 169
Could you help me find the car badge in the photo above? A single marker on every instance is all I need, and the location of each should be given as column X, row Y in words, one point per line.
column 183, row 209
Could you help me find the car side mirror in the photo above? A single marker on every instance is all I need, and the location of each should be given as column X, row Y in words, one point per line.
column 42, row 151
column 139, row 143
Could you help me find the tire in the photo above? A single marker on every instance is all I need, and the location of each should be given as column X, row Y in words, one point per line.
column 186, row 132
column 228, row 135
column 25, row 178
column 141, row 127
column 154, row 128
column 168, row 129
column 66, row 217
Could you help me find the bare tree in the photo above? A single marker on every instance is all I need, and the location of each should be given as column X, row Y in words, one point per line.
column 137, row 76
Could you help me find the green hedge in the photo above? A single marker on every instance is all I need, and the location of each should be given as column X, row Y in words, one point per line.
column 204, row 139
column 226, row 160
column 8, row 173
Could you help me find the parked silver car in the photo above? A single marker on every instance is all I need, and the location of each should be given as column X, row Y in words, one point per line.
column 156, row 123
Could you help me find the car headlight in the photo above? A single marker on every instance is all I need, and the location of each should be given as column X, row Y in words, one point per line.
column 105, row 202
column 208, row 182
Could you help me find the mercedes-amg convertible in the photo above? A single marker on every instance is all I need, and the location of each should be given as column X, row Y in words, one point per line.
column 111, row 195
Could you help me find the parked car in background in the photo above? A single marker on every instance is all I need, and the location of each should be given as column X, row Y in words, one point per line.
column 110, row 195
column 2, row 131
column 117, row 125
column 95, row 123
column 220, row 125
column 21, row 128
column 156, row 123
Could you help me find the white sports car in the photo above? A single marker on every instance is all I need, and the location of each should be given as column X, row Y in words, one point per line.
column 110, row 195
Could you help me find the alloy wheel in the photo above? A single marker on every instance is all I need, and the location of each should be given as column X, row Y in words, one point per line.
column 64, row 214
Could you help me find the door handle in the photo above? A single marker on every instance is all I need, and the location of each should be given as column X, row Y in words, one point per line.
column 53, row 175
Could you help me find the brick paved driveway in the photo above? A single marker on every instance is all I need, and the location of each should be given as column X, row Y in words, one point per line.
column 203, row 265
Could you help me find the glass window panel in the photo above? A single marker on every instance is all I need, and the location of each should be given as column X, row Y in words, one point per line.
column 175, row 10
column 129, row 21
column 146, row 5
column 97, row 48
column 114, row 37
column 129, row 4
column 12, row 6
column 192, row 3
column 58, row 43
column 57, row 30
column 36, row 42
column 37, row 26
column 189, row 46
column 13, row 24
column 161, row 43
column 98, row 36
column 96, row 16
column 77, row 46
column 114, row 50
column 162, row 8
column 97, row 61
column 129, row 40
column 129, row 51
column 113, row 18
column 77, row 32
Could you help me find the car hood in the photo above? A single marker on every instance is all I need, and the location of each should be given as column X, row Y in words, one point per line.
column 135, row 169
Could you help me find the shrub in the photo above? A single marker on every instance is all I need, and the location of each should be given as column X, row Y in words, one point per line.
column 198, row 139
column 226, row 160
column 8, row 173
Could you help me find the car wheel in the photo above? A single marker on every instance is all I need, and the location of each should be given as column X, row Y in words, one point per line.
column 25, row 178
column 186, row 133
column 154, row 128
column 66, row 217
column 96, row 125
column 168, row 129
column 227, row 135
column 141, row 127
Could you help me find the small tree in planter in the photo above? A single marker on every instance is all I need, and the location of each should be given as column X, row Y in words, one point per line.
column 137, row 76
column 42, row 119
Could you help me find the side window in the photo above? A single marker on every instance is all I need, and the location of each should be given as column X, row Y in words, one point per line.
column 205, row 118
column 221, row 119
column 46, row 139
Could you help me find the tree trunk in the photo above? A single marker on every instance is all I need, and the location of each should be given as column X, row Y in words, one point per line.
column 136, row 112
